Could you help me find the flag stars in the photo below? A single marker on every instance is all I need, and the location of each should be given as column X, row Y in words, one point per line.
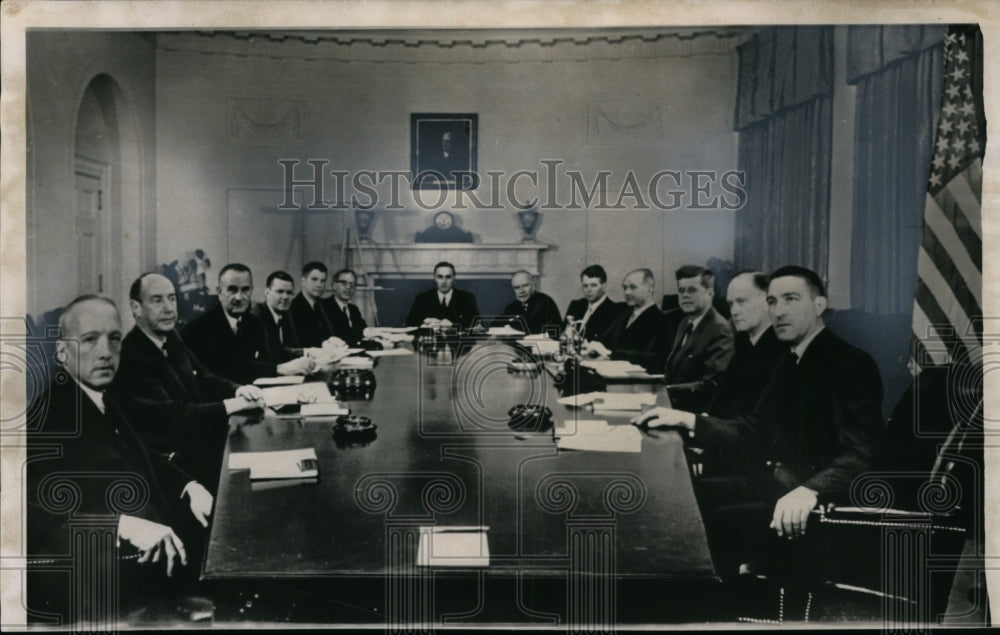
column 939, row 162
column 945, row 126
column 935, row 180
column 954, row 161
column 942, row 144
column 962, row 127
column 949, row 109
column 958, row 145
column 974, row 146
column 954, row 91
column 962, row 56
column 957, row 74
column 968, row 108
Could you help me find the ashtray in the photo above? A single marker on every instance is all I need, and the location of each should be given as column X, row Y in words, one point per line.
column 354, row 424
column 533, row 417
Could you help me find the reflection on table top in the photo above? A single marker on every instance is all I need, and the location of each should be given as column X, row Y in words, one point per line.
column 444, row 455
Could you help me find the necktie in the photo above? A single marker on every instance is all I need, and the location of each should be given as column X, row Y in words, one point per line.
column 687, row 333
column 347, row 314
column 100, row 402
column 281, row 330
column 444, row 301
column 590, row 311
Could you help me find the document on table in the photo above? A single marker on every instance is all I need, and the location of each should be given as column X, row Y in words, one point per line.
column 623, row 400
column 297, row 464
column 312, row 392
column 543, row 345
column 324, row 409
column 504, row 330
column 597, row 436
column 357, row 362
column 285, row 380
column 391, row 352
column 372, row 331
column 613, row 368
column 453, row 547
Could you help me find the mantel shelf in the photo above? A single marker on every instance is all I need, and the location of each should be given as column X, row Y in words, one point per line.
column 471, row 260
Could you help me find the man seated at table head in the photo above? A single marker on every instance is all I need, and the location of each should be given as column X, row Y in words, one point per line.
column 85, row 438
column 282, row 338
column 443, row 305
column 530, row 309
column 638, row 335
column 309, row 314
column 230, row 339
column 595, row 309
column 345, row 317
column 703, row 344
column 817, row 425
column 756, row 347
column 179, row 406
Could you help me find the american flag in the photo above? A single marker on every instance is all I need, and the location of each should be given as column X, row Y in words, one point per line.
column 947, row 311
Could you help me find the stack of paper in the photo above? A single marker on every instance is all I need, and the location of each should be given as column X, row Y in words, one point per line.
column 578, row 401
column 313, row 392
column 504, row 330
column 381, row 331
column 598, row 436
column 613, row 369
column 298, row 464
column 544, row 346
column 327, row 409
column 623, row 401
column 453, row 547
column 392, row 352
column 285, row 380
column 357, row 362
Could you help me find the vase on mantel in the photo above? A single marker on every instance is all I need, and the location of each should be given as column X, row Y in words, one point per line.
column 528, row 217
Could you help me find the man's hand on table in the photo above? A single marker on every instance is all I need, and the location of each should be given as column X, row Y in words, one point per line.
column 791, row 513
column 665, row 418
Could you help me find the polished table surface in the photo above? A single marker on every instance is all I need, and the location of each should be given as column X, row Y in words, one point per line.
column 444, row 455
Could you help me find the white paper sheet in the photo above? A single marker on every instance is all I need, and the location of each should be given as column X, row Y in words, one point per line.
column 598, row 436
column 312, row 392
column 392, row 352
column 285, row 380
column 274, row 465
column 453, row 547
column 328, row 409
column 357, row 362
column 504, row 330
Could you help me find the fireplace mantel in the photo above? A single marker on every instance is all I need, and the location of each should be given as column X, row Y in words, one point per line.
column 471, row 260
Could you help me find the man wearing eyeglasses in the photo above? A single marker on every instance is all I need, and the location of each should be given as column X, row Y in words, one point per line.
column 345, row 318
column 443, row 305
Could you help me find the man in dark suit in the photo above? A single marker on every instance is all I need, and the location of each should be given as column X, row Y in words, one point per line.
column 595, row 309
column 345, row 317
column 703, row 344
column 84, row 444
column 444, row 305
column 309, row 313
column 282, row 338
column 639, row 335
column 179, row 405
column 817, row 426
column 530, row 308
column 229, row 338
column 756, row 347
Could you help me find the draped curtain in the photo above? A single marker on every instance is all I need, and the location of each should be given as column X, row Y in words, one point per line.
column 898, row 73
column 783, row 116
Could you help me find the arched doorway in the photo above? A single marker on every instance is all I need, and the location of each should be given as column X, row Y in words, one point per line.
column 107, row 190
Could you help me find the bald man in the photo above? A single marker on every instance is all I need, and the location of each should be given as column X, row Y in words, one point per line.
column 181, row 405
column 530, row 308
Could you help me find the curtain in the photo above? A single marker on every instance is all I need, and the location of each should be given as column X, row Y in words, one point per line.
column 898, row 73
column 783, row 116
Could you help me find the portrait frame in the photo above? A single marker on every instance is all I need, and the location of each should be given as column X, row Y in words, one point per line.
column 436, row 167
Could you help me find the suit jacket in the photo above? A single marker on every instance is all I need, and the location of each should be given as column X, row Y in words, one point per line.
column 95, row 455
column 352, row 332
column 176, row 403
column 312, row 323
column 279, row 351
column 747, row 375
column 693, row 370
column 644, row 342
column 818, row 423
column 541, row 316
column 599, row 326
column 242, row 356
column 462, row 310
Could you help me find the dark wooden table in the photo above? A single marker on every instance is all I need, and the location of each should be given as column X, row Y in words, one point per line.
column 444, row 455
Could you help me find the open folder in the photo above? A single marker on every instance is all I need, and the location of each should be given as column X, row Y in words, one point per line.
column 453, row 547
column 282, row 464
column 597, row 436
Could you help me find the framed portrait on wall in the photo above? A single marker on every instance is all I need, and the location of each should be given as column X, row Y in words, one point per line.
column 443, row 151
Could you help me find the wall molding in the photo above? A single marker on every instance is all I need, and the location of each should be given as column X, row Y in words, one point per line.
column 469, row 46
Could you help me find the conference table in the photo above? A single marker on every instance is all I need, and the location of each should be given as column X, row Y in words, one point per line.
column 443, row 458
